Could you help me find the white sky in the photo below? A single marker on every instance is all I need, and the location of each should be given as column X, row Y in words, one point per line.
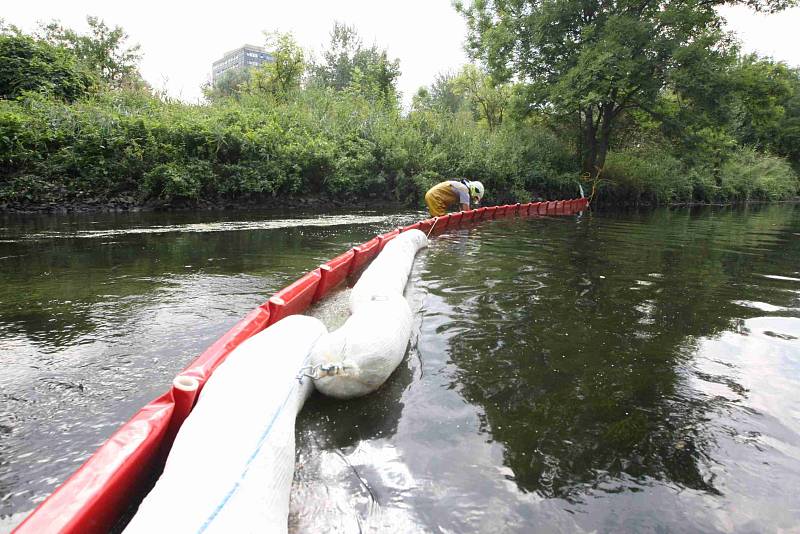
column 181, row 39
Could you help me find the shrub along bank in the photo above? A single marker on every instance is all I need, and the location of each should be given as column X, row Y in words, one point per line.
column 80, row 128
column 323, row 144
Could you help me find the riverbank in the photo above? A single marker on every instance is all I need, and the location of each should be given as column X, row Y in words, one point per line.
column 128, row 151
column 130, row 205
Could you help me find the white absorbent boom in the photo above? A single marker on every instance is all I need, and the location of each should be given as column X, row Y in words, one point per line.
column 360, row 356
column 231, row 466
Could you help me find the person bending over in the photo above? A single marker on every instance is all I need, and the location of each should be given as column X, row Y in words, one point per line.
column 442, row 196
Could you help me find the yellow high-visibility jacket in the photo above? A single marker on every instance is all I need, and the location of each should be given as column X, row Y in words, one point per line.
column 445, row 194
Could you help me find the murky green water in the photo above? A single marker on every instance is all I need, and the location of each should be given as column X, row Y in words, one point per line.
column 635, row 372
column 97, row 313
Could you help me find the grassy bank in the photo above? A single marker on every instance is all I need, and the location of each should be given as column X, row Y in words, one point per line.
column 322, row 144
column 73, row 134
column 133, row 149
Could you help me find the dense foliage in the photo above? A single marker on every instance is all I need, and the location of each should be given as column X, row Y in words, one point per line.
column 87, row 129
column 30, row 65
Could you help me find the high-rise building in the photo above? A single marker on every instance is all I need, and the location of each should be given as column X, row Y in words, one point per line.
column 244, row 57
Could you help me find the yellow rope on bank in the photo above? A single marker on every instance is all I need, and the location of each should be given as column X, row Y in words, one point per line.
column 596, row 181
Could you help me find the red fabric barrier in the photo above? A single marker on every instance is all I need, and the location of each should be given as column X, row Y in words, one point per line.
column 385, row 238
column 294, row 298
column 101, row 490
column 202, row 367
column 94, row 497
column 333, row 273
column 363, row 254
column 440, row 225
column 426, row 225
column 415, row 226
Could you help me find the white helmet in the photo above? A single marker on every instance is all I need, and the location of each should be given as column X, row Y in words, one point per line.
column 476, row 191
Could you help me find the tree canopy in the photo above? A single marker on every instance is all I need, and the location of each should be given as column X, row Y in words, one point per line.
column 30, row 65
column 595, row 60
column 347, row 64
column 283, row 75
column 103, row 50
column 692, row 118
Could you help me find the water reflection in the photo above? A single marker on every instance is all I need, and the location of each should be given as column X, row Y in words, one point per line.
column 586, row 385
column 629, row 371
column 98, row 313
column 620, row 372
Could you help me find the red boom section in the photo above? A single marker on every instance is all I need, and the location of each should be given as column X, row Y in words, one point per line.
column 94, row 498
column 294, row 298
column 385, row 238
column 363, row 254
column 333, row 273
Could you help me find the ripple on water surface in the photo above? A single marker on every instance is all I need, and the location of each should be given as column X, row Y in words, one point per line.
column 600, row 373
column 606, row 373
column 99, row 312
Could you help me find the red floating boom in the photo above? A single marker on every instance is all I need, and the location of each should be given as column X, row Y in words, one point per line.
column 119, row 473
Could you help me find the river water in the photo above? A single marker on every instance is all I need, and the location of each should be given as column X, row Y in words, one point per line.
column 603, row 372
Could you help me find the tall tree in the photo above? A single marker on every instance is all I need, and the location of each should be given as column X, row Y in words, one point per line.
column 103, row 49
column 283, row 75
column 788, row 137
column 489, row 99
column 443, row 93
column 27, row 64
column 230, row 83
column 348, row 64
column 762, row 93
column 595, row 59
column 336, row 68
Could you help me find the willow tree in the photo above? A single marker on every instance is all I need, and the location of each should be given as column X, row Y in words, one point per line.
column 595, row 59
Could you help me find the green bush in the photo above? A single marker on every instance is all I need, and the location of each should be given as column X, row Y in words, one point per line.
column 323, row 143
column 750, row 175
column 648, row 174
column 27, row 65
column 177, row 181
